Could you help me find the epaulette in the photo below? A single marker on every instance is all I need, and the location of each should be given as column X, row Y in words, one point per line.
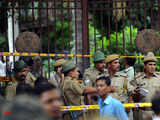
column 12, row 83
column 102, row 75
column 88, row 69
column 33, row 77
column 157, row 73
column 139, row 74
column 121, row 74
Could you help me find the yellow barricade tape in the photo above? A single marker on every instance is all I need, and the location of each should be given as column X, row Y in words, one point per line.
column 34, row 54
column 60, row 55
column 24, row 54
column 6, row 79
column 42, row 54
column 16, row 54
column 6, row 54
column 96, row 107
column 52, row 55
column 70, row 55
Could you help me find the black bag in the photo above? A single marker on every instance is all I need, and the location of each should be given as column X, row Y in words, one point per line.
column 73, row 114
column 76, row 114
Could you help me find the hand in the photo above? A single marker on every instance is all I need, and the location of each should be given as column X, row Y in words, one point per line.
column 128, row 110
column 137, row 96
column 110, row 89
column 89, row 100
column 137, row 90
column 106, row 90
column 113, row 89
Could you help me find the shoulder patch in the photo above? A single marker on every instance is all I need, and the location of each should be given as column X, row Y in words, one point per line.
column 138, row 75
column 157, row 73
column 10, row 83
column 121, row 74
column 91, row 71
column 88, row 70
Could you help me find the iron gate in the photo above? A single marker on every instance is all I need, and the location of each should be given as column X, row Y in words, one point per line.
column 79, row 26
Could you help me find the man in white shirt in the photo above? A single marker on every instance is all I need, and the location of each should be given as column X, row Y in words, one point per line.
column 129, row 69
column 2, row 67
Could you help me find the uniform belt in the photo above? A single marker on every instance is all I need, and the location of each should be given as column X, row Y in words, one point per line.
column 147, row 109
column 143, row 109
column 135, row 109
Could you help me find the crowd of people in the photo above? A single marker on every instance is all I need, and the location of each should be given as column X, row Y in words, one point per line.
column 31, row 95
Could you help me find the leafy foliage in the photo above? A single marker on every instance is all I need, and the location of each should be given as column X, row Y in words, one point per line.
column 3, row 42
column 115, row 38
column 119, row 42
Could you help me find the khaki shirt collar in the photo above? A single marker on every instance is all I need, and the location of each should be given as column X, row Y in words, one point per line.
column 153, row 75
column 120, row 73
column 69, row 78
column 104, row 71
column 15, row 81
column 66, row 78
column 117, row 74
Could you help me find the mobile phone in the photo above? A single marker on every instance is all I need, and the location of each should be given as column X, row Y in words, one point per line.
column 144, row 92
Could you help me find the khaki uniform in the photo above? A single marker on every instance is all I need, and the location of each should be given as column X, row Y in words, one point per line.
column 151, row 84
column 120, row 81
column 10, row 90
column 90, row 76
column 39, row 73
column 30, row 79
column 73, row 93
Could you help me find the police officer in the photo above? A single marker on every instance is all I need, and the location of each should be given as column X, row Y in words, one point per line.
column 91, row 74
column 145, row 85
column 118, row 79
column 38, row 70
column 56, row 77
column 30, row 78
column 21, row 76
column 73, row 91
column 29, row 62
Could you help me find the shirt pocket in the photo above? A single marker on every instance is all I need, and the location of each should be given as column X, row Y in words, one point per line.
column 156, row 86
